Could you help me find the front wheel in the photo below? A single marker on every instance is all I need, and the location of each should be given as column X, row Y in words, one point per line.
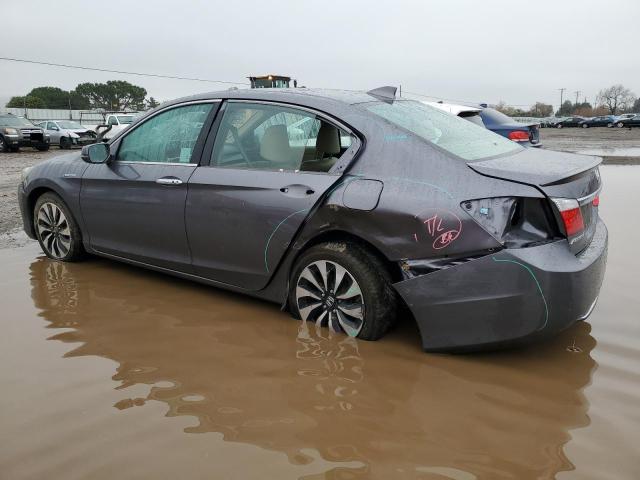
column 57, row 231
column 620, row 124
column 65, row 143
column 343, row 286
column 584, row 125
column 3, row 145
column 559, row 125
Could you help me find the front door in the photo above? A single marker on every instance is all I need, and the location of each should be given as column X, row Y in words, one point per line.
column 270, row 164
column 133, row 206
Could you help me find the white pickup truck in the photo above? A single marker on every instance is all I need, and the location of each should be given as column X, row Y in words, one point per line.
column 117, row 122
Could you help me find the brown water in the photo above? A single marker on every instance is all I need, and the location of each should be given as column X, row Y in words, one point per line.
column 107, row 371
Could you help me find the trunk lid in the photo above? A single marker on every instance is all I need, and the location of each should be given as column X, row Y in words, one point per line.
column 558, row 175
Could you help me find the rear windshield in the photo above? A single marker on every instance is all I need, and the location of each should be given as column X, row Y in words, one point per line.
column 451, row 133
column 494, row 116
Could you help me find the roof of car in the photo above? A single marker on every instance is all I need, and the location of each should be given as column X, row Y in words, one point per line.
column 293, row 95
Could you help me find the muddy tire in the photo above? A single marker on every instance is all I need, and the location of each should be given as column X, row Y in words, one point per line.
column 57, row 231
column 343, row 286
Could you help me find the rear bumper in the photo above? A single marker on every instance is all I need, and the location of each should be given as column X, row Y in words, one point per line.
column 507, row 298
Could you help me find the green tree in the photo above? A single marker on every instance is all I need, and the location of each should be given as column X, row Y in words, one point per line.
column 565, row 109
column 152, row 103
column 113, row 95
column 28, row 101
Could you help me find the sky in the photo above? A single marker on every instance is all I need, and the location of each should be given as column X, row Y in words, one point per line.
column 462, row 50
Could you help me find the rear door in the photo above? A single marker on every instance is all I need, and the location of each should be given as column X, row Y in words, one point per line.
column 269, row 166
column 133, row 206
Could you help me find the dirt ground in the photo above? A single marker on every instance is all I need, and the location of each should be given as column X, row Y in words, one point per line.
column 615, row 145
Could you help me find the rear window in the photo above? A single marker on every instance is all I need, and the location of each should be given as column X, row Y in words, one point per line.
column 449, row 132
column 494, row 116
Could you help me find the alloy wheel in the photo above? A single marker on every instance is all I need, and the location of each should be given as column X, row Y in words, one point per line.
column 53, row 229
column 326, row 293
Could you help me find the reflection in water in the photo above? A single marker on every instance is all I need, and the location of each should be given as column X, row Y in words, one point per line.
column 381, row 409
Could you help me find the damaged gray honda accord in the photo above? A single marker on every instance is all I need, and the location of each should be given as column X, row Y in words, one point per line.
column 341, row 206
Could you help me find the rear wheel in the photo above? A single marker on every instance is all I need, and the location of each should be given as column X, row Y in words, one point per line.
column 65, row 143
column 620, row 124
column 57, row 231
column 342, row 286
column 584, row 125
column 3, row 145
column 559, row 125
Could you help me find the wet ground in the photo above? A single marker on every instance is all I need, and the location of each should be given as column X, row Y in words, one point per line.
column 108, row 371
column 615, row 145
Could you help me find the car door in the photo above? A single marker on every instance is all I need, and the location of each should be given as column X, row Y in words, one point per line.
column 133, row 206
column 54, row 132
column 269, row 165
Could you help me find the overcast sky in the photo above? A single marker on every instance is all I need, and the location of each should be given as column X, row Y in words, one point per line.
column 518, row 52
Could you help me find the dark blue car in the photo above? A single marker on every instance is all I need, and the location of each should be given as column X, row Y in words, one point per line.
column 525, row 134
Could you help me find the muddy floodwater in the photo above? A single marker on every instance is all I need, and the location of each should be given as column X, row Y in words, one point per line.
column 108, row 371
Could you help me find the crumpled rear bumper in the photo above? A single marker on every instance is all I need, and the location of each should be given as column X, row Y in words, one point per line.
column 510, row 297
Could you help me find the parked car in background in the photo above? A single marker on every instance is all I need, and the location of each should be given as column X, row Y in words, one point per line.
column 526, row 134
column 67, row 133
column 569, row 122
column 625, row 116
column 113, row 124
column 602, row 121
column 487, row 243
column 16, row 132
column 548, row 122
column 628, row 121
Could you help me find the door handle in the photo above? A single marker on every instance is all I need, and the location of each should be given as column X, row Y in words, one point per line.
column 297, row 190
column 169, row 181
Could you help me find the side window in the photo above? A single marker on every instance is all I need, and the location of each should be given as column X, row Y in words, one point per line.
column 51, row 125
column 273, row 137
column 168, row 137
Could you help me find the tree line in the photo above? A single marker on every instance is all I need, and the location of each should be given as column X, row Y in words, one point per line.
column 614, row 100
column 114, row 95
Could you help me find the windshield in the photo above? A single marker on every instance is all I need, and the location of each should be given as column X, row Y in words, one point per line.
column 15, row 122
column 70, row 125
column 452, row 133
column 126, row 119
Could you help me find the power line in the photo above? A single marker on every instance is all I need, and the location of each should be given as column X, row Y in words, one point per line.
column 155, row 75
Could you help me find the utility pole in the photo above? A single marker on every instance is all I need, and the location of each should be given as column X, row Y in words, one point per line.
column 561, row 93
column 577, row 92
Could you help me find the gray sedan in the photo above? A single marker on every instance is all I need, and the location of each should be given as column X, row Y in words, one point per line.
column 347, row 208
column 67, row 133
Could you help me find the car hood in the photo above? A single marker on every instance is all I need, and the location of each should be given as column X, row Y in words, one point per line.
column 536, row 166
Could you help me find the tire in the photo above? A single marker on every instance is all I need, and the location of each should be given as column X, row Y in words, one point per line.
column 57, row 231
column 620, row 125
column 65, row 143
column 3, row 145
column 42, row 148
column 584, row 125
column 364, row 290
column 609, row 125
column 559, row 125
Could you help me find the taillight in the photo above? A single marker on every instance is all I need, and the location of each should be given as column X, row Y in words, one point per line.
column 571, row 215
column 596, row 201
column 519, row 136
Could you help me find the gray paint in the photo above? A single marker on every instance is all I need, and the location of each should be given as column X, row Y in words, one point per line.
column 242, row 229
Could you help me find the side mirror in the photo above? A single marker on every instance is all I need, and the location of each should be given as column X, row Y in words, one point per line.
column 96, row 153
